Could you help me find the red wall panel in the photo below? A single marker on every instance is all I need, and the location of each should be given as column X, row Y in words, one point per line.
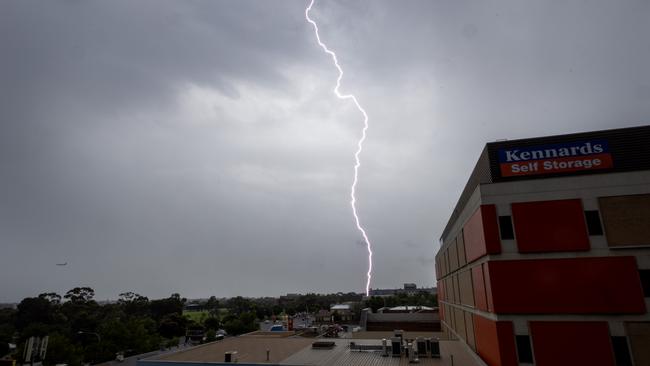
column 480, row 299
column 572, row 285
column 481, row 233
column 495, row 341
column 550, row 226
column 491, row 229
column 571, row 343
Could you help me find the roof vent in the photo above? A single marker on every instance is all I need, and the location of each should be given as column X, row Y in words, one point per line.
column 323, row 345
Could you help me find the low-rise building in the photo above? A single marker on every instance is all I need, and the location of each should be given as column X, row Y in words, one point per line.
column 409, row 289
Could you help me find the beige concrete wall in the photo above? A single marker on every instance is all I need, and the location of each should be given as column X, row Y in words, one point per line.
column 453, row 256
column 626, row 219
column 469, row 324
column 466, row 288
column 639, row 337
column 460, row 323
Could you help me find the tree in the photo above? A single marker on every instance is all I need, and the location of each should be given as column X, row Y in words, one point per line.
column 375, row 303
column 238, row 305
column 211, row 335
column 212, row 303
column 234, row 326
column 172, row 325
column 212, row 323
column 52, row 297
column 34, row 310
column 170, row 305
column 61, row 350
column 134, row 304
column 80, row 295
column 7, row 329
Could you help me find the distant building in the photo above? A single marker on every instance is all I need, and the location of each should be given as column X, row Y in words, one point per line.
column 408, row 318
column 323, row 316
column 193, row 307
column 545, row 259
column 409, row 289
column 408, row 309
column 341, row 312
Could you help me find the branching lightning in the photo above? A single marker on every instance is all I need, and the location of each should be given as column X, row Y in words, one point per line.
column 353, row 199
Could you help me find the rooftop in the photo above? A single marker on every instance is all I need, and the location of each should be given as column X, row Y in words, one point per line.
column 298, row 351
column 342, row 355
column 340, row 307
column 249, row 349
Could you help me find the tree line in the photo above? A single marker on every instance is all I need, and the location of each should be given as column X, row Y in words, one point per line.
column 81, row 330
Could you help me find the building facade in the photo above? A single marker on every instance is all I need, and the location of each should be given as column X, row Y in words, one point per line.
column 546, row 258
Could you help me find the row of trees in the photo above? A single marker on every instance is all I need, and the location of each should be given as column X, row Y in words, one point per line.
column 81, row 330
column 422, row 298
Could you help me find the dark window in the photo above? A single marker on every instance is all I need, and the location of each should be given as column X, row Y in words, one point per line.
column 593, row 223
column 621, row 351
column 645, row 281
column 505, row 228
column 524, row 351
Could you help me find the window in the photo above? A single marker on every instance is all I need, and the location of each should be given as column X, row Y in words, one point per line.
column 505, row 228
column 645, row 281
column 621, row 351
column 524, row 350
column 593, row 223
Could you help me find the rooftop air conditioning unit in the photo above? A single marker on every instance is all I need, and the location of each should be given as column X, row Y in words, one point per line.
column 412, row 353
column 230, row 357
column 396, row 347
column 434, row 349
column 421, row 347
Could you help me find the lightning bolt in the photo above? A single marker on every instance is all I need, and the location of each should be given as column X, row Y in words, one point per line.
column 353, row 199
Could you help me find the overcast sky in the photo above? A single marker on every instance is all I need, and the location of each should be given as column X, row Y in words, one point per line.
column 197, row 147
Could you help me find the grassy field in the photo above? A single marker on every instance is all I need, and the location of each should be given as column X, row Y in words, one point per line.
column 200, row 316
column 197, row 316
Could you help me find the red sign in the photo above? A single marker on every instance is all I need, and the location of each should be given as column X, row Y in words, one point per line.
column 558, row 165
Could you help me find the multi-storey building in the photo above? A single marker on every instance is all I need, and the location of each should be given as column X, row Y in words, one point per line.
column 546, row 258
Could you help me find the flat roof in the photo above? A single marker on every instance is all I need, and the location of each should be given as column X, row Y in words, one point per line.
column 249, row 349
column 388, row 334
column 342, row 355
column 298, row 351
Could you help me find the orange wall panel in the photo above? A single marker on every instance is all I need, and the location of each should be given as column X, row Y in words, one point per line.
column 571, row 343
column 495, row 341
column 481, row 233
column 588, row 285
column 550, row 226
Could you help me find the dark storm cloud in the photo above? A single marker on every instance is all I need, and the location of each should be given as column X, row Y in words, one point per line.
column 196, row 146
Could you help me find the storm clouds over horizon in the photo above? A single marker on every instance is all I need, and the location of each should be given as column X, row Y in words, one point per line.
column 197, row 147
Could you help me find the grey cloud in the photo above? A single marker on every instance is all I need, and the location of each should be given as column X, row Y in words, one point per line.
column 162, row 146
